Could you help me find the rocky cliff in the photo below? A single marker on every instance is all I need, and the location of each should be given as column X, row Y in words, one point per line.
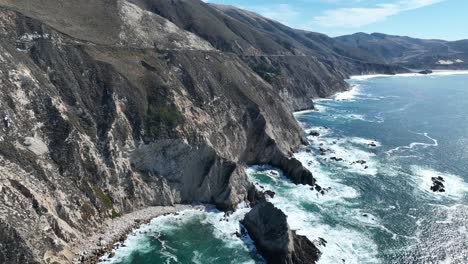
column 110, row 106
column 299, row 65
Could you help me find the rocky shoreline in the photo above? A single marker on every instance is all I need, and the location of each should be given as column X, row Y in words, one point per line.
column 90, row 249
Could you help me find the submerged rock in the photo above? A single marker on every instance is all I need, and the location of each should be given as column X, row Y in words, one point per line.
column 314, row 133
column 362, row 162
column 268, row 228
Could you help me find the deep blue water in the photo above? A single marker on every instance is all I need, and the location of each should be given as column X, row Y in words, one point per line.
column 382, row 211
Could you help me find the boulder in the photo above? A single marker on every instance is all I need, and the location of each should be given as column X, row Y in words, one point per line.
column 270, row 193
column 438, row 184
column 268, row 228
column 314, row 133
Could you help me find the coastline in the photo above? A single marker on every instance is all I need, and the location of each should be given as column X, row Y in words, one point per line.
column 91, row 249
column 436, row 72
column 117, row 230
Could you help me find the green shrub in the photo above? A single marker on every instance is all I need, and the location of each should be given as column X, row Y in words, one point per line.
column 160, row 118
column 106, row 200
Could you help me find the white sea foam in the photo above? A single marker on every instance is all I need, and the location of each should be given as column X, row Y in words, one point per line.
column 224, row 228
column 342, row 243
column 350, row 150
column 348, row 95
column 303, row 112
column 413, row 145
column 323, row 131
column 364, row 141
column 435, row 73
column 455, row 186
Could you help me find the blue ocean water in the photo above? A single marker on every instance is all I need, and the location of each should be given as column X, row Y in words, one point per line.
column 379, row 146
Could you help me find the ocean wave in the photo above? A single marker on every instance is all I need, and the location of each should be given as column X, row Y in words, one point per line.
column 413, row 145
column 455, row 186
column 224, row 228
column 346, row 152
column 298, row 202
column 348, row 95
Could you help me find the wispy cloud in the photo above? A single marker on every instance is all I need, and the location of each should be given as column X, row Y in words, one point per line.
column 283, row 13
column 358, row 17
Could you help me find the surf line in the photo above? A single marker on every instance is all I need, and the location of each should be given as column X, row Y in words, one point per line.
column 435, row 143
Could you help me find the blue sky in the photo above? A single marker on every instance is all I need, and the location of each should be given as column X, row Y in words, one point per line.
column 443, row 19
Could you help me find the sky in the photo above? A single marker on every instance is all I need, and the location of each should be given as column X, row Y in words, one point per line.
column 429, row 19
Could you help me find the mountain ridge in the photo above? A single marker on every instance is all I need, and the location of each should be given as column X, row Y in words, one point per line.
column 411, row 52
column 113, row 106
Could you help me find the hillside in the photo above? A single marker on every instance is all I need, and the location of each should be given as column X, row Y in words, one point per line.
column 113, row 106
column 411, row 52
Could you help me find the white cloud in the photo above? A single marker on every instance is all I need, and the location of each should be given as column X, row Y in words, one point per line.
column 283, row 13
column 357, row 17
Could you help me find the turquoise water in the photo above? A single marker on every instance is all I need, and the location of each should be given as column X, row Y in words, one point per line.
column 192, row 236
column 382, row 211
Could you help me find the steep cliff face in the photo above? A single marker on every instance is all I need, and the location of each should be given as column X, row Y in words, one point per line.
column 299, row 65
column 95, row 126
column 110, row 106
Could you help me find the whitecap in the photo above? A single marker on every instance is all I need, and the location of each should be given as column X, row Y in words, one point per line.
column 413, row 145
column 455, row 186
column 343, row 149
column 224, row 228
column 342, row 242
column 348, row 95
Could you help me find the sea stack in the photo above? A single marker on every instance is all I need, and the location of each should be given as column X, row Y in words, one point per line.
column 268, row 228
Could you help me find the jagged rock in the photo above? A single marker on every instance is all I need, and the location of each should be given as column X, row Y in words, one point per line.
column 362, row 162
column 323, row 151
column 110, row 106
column 322, row 241
column 336, row 159
column 437, row 184
column 268, row 228
column 270, row 193
column 314, row 133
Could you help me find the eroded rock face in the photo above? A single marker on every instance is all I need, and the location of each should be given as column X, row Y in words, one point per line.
column 269, row 229
column 13, row 248
column 91, row 131
column 111, row 106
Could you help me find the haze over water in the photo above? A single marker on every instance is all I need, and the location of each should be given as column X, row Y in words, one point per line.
column 389, row 137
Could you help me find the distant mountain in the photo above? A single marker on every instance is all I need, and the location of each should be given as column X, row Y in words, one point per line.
column 300, row 65
column 411, row 52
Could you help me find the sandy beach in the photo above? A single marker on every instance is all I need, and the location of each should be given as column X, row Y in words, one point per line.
column 116, row 230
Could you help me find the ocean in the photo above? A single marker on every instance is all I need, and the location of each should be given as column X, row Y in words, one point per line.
column 379, row 146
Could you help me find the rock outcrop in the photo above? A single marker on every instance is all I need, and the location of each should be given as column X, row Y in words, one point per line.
column 268, row 228
column 109, row 106
column 98, row 127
